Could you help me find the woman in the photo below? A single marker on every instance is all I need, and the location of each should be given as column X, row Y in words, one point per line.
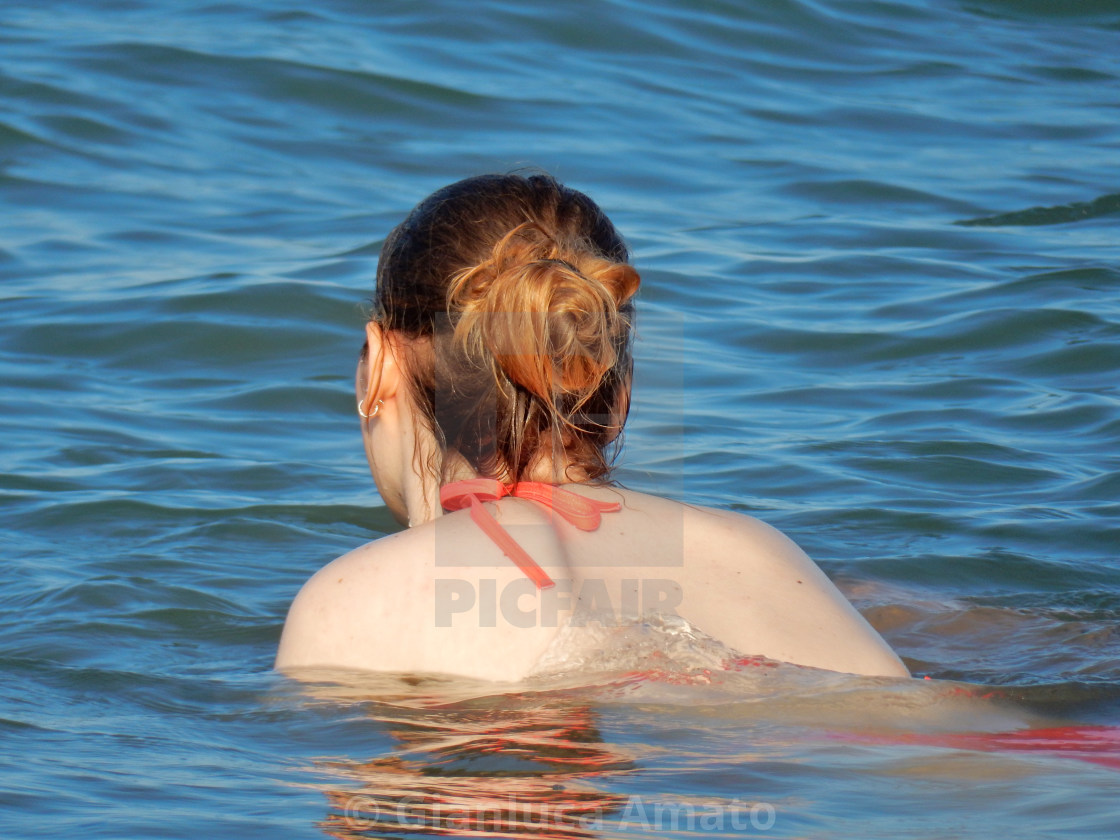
column 494, row 380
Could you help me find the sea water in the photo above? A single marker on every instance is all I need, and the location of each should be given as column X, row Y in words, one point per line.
column 880, row 311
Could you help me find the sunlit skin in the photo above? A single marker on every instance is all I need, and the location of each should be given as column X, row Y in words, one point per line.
column 376, row 607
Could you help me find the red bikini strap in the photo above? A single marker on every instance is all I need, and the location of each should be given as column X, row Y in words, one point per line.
column 582, row 512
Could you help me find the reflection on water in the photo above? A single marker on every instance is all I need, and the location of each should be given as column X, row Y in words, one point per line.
column 468, row 771
column 452, row 757
column 1095, row 744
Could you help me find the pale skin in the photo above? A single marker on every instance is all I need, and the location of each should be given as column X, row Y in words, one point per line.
column 441, row 597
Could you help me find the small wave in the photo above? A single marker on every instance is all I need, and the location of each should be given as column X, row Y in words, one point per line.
column 14, row 139
column 667, row 643
column 1099, row 11
column 868, row 192
column 1062, row 214
column 341, row 90
column 1084, row 700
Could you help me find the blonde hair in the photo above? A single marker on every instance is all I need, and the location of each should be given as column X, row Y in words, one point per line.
column 522, row 291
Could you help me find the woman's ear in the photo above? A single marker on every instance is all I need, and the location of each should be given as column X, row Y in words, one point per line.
column 384, row 370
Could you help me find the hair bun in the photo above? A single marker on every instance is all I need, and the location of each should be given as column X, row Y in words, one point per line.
column 553, row 317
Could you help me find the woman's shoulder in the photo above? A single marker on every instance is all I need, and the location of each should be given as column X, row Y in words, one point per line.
column 336, row 612
column 705, row 527
column 746, row 583
column 718, row 530
column 439, row 597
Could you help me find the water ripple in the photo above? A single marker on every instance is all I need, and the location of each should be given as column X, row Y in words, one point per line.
column 1080, row 211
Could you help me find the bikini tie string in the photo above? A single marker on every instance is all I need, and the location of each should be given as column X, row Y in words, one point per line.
column 584, row 513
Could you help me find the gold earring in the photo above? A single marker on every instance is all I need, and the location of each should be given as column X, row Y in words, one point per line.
column 372, row 414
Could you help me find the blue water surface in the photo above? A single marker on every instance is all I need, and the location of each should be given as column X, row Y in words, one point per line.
column 880, row 310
